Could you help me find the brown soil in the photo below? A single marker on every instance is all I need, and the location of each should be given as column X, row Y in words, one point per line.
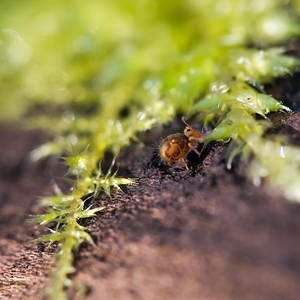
column 207, row 233
column 24, row 263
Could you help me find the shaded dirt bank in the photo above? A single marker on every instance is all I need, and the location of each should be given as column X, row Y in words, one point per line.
column 176, row 234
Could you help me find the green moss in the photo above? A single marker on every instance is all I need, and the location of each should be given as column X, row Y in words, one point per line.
column 73, row 68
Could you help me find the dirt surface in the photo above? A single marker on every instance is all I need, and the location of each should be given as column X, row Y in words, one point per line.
column 23, row 264
column 207, row 233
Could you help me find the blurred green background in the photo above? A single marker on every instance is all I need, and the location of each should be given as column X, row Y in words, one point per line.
column 72, row 53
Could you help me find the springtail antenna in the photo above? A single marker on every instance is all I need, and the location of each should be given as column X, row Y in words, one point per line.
column 184, row 121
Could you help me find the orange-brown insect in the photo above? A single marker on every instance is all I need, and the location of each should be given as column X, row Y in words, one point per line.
column 177, row 146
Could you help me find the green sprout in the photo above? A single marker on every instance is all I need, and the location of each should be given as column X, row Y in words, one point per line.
column 65, row 211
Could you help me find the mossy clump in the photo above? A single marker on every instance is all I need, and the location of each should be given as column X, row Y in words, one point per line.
column 73, row 68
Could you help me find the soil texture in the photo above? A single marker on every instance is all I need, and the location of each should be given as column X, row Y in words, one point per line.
column 203, row 233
